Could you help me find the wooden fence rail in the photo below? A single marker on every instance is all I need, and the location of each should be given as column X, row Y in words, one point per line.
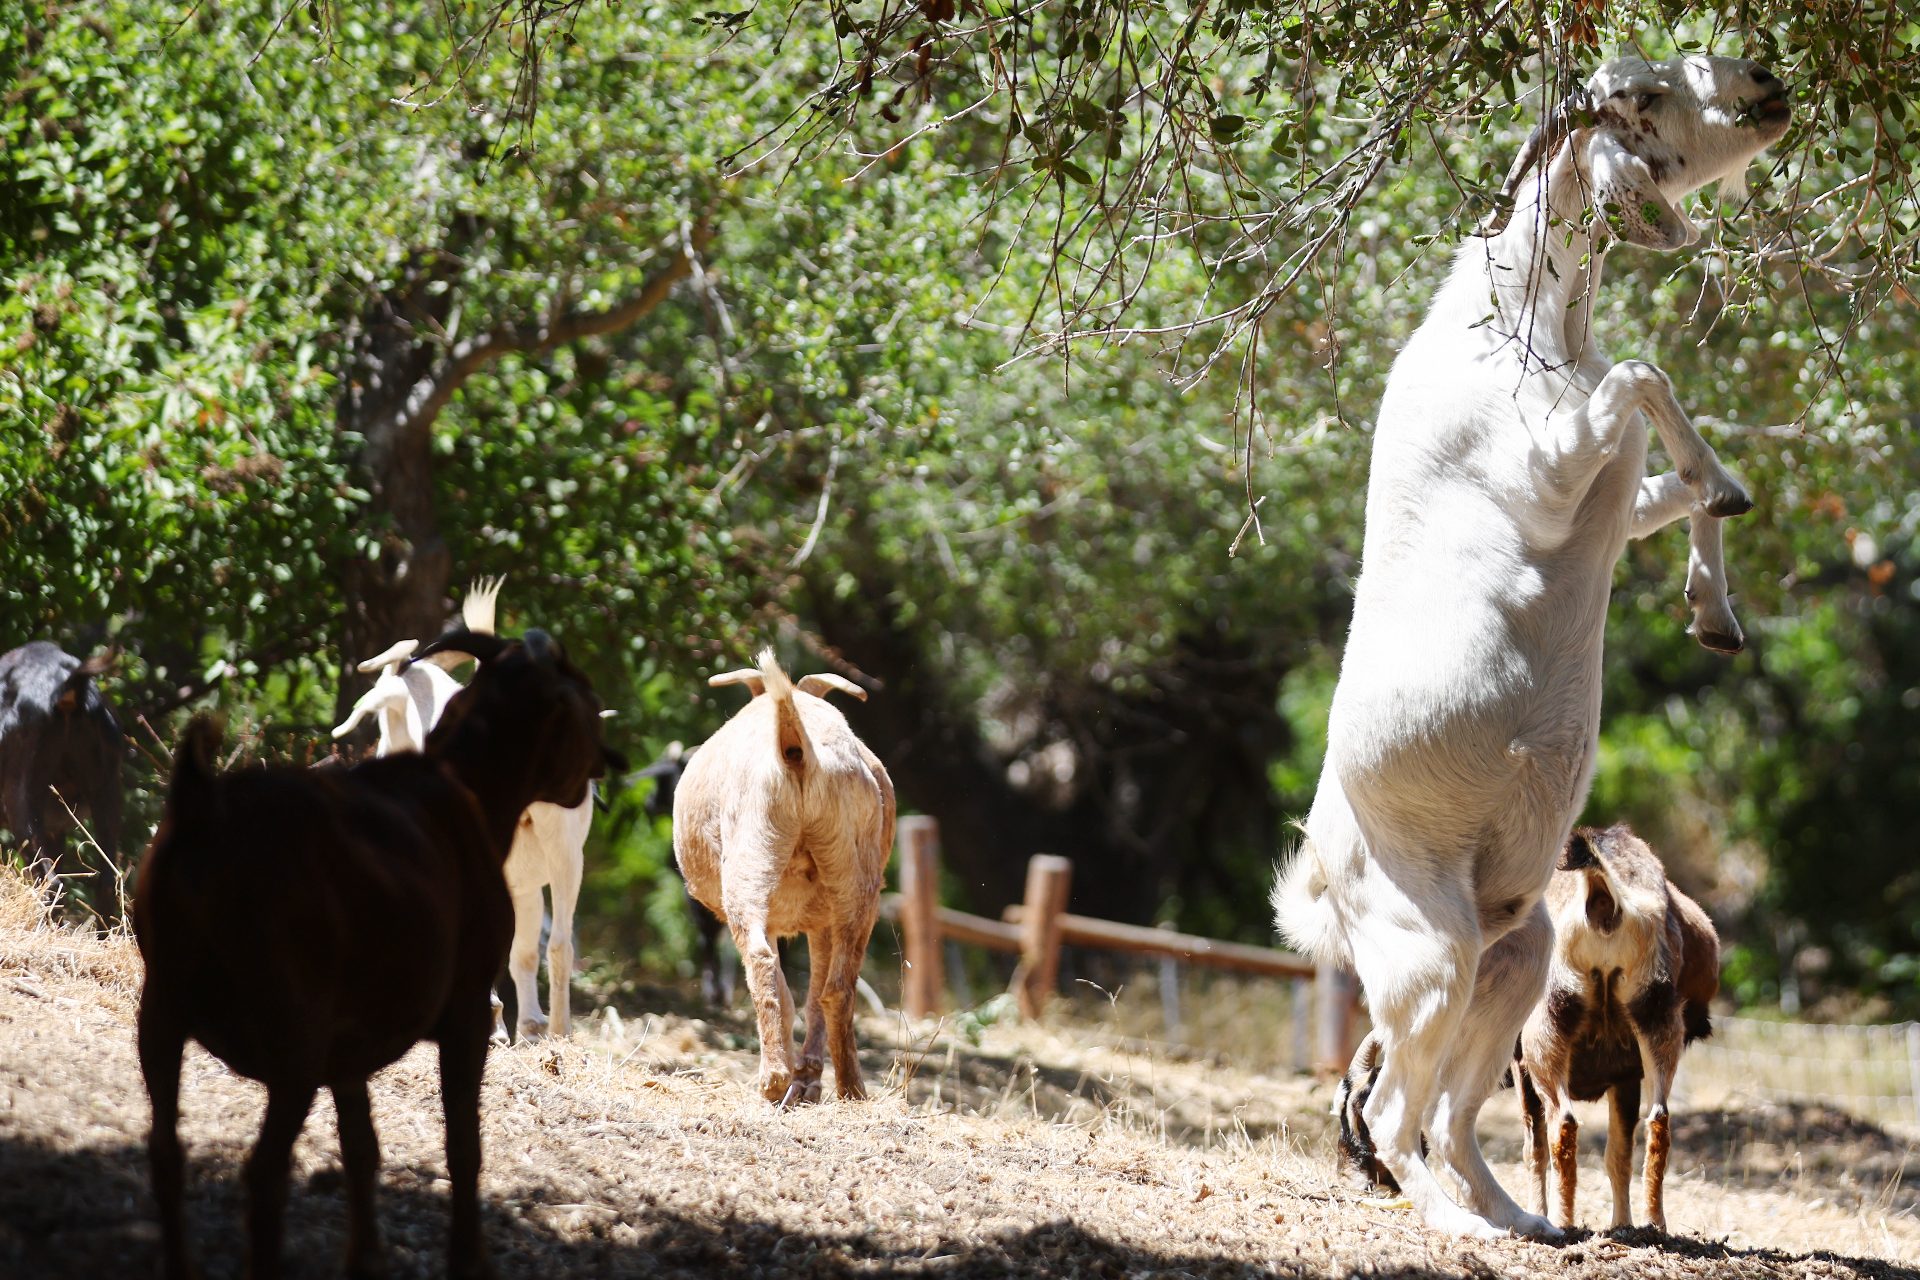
column 1037, row 928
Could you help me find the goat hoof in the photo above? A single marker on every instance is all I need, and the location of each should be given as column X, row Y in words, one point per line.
column 1532, row 1226
column 1728, row 501
column 1722, row 642
column 499, row 1036
column 801, row 1093
column 532, row 1030
column 774, row 1086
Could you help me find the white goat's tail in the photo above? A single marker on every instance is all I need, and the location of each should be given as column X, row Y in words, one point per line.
column 481, row 605
column 1301, row 910
column 790, row 735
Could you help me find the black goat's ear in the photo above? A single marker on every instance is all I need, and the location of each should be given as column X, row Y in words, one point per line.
column 541, row 647
column 472, row 644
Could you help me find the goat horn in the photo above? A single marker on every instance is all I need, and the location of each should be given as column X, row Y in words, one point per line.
column 821, row 683
column 747, row 676
column 466, row 644
column 394, row 654
column 1537, row 149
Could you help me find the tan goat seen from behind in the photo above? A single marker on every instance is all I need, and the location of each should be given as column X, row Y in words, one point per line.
column 1635, row 963
column 782, row 824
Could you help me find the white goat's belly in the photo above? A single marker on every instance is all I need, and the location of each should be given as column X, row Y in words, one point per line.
column 1467, row 712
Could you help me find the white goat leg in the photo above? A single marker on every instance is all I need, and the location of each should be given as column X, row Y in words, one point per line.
column 1664, row 499
column 523, row 959
column 566, row 867
column 1713, row 622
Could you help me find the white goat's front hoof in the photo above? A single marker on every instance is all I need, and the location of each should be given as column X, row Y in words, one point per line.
column 499, row 1036
column 1722, row 496
column 533, row 1029
column 1722, row 637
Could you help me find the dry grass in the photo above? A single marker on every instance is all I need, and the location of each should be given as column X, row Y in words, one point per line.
column 639, row 1149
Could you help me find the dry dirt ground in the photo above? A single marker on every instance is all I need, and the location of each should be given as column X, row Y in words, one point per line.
column 637, row 1149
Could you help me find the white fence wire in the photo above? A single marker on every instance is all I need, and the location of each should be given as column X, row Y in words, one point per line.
column 1869, row 1071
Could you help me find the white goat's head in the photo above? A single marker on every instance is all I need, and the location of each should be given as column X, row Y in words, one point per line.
column 1642, row 134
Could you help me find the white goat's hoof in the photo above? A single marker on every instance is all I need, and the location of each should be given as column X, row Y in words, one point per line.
column 1534, row 1227
column 1722, row 496
column 533, row 1029
column 1720, row 640
column 499, row 1035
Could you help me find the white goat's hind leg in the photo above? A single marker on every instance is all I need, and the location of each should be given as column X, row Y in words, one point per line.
column 1714, row 625
column 1512, row 973
column 565, row 890
column 1418, row 970
column 523, row 959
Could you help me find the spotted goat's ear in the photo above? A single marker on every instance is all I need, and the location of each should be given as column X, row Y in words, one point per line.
column 1627, row 200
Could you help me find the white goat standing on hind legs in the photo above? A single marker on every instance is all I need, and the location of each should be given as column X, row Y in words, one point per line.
column 1509, row 470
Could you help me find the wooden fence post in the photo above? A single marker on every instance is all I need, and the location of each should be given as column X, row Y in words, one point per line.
column 923, row 984
column 1048, row 879
column 1336, row 993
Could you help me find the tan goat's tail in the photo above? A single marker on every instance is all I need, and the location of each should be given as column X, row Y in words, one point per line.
column 790, row 735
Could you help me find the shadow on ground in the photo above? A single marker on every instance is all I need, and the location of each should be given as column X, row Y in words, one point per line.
column 86, row 1215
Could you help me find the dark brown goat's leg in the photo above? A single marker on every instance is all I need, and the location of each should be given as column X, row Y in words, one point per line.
column 287, row 1107
column 360, row 1153
column 463, row 1060
column 161, row 1044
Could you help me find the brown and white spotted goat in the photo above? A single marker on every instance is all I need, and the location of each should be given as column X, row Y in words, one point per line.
column 1635, row 962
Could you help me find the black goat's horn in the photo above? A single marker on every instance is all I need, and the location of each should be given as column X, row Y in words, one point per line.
column 541, row 647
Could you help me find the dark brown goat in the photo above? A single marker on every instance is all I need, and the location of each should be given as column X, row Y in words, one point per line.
column 309, row 926
column 1635, row 963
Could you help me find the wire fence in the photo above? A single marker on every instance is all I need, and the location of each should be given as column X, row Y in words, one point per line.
column 1869, row 1071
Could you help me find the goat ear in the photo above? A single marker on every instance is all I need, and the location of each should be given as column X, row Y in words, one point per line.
column 465, row 644
column 393, row 655
column 1628, row 200
column 1578, row 853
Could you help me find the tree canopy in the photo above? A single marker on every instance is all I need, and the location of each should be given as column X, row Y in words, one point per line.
column 802, row 323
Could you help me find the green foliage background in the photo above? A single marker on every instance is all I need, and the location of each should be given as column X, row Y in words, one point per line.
column 829, row 424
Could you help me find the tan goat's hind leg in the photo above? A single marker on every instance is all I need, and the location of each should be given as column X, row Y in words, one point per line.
column 813, row 1047
column 765, row 987
column 1623, row 1113
column 848, row 954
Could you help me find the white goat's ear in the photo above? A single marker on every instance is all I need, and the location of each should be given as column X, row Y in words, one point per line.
column 396, row 653
column 1627, row 199
column 821, row 683
column 747, row 676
